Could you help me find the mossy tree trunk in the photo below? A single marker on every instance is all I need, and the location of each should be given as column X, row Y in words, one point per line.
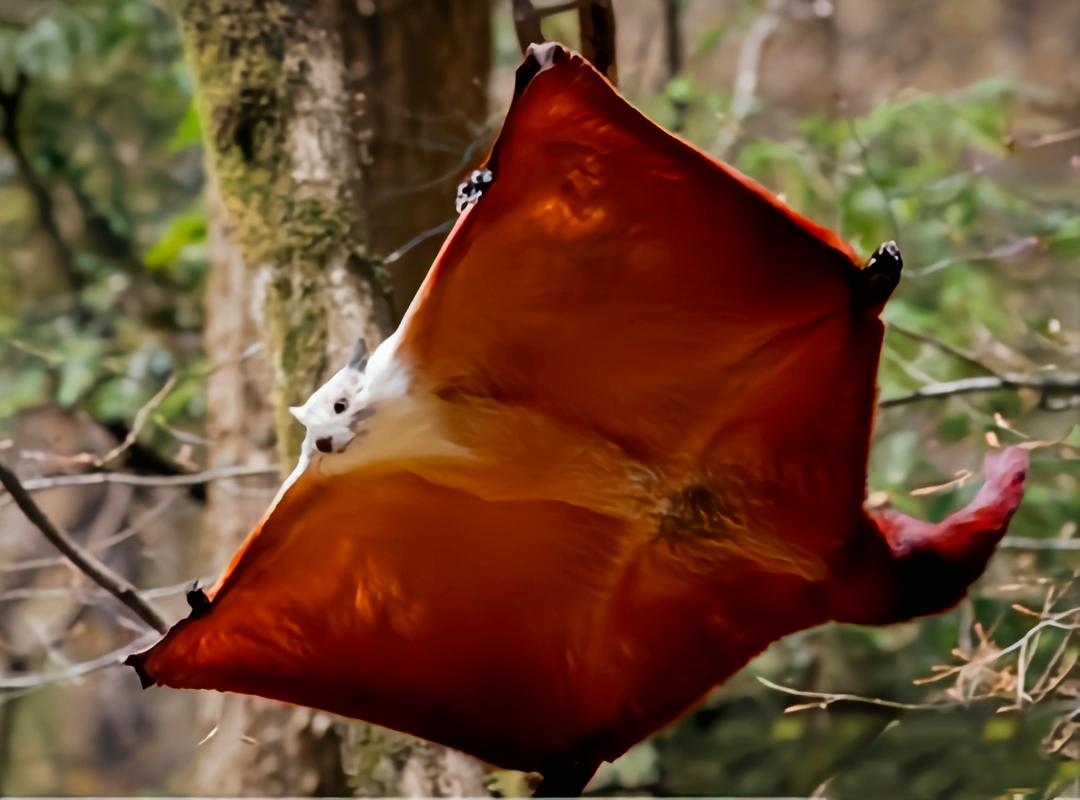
column 335, row 132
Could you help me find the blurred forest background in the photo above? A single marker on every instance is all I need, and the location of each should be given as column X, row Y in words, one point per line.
column 155, row 321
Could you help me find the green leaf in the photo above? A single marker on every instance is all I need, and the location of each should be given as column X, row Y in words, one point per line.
column 188, row 132
column 184, row 231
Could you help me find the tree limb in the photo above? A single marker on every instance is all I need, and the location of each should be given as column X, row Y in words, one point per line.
column 1060, row 620
column 748, row 73
column 128, row 479
column 526, row 24
column 527, row 19
column 945, row 347
column 825, row 699
column 27, row 683
column 95, row 546
column 115, row 584
column 596, row 21
column 673, row 39
column 1047, row 384
column 1033, row 543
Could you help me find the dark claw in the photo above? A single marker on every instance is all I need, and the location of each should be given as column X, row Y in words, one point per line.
column 198, row 602
column 135, row 661
column 472, row 189
column 877, row 280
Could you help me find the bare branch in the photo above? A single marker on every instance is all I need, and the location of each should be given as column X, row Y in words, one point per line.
column 748, row 73
column 1052, row 621
column 98, row 546
column 128, row 479
column 1046, row 383
column 420, row 238
column 596, row 21
column 872, row 176
column 822, row 700
column 673, row 38
column 118, row 586
column 139, row 422
column 526, row 24
column 114, row 657
column 149, row 593
column 826, row 699
column 1009, row 249
column 527, row 19
column 1031, row 543
column 1044, row 140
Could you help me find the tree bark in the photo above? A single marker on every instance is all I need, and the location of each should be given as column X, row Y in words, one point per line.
column 335, row 133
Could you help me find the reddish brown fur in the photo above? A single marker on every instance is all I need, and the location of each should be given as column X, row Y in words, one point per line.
column 665, row 380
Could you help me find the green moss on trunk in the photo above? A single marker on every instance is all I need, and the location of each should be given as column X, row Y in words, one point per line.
column 255, row 72
column 300, row 102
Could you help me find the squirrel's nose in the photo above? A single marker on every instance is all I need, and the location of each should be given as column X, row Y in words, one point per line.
column 324, row 445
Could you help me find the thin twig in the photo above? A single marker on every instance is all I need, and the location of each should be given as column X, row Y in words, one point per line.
column 454, row 173
column 674, row 54
column 1008, row 249
column 826, row 699
column 871, row 175
column 129, row 479
column 139, row 422
column 149, row 593
column 77, row 670
column 1031, row 543
column 673, row 39
column 527, row 19
column 1048, row 681
column 1050, row 382
column 596, row 24
column 1054, row 621
column 98, row 546
column 748, row 74
column 1045, row 139
column 420, row 238
column 118, row 586
column 945, row 347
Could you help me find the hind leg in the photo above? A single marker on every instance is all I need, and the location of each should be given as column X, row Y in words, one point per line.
column 899, row 567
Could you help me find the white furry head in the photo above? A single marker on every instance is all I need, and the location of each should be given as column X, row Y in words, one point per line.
column 331, row 413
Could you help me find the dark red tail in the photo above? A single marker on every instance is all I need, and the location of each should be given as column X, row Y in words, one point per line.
column 906, row 567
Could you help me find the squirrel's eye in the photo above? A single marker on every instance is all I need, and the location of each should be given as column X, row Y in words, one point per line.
column 341, row 406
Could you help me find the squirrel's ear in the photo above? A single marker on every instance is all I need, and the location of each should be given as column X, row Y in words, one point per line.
column 298, row 412
column 358, row 355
